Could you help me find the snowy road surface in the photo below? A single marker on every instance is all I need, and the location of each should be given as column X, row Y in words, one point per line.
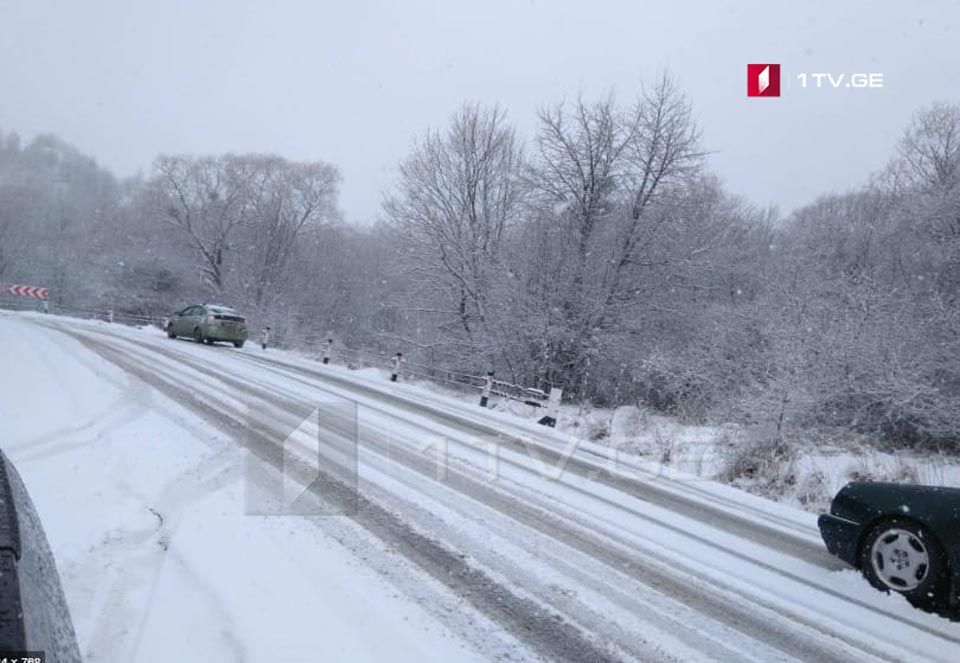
column 523, row 545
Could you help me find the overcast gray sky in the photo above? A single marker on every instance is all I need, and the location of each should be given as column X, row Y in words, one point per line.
column 353, row 82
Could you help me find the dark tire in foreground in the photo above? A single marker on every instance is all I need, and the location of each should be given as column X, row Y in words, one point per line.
column 238, row 344
column 198, row 335
column 901, row 555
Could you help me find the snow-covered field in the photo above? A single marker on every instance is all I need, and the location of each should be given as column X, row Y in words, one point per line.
column 478, row 535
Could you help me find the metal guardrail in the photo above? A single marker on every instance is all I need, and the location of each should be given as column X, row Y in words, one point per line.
column 494, row 387
column 108, row 315
column 485, row 384
column 361, row 357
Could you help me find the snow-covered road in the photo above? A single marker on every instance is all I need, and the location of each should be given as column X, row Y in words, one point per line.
column 476, row 535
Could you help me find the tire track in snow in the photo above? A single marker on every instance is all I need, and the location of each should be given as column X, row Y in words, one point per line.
column 545, row 631
column 266, row 392
column 724, row 609
column 643, row 490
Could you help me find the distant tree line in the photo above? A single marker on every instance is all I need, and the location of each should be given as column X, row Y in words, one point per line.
column 600, row 255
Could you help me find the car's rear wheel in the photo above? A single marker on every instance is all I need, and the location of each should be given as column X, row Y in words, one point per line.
column 170, row 332
column 238, row 344
column 901, row 555
column 197, row 335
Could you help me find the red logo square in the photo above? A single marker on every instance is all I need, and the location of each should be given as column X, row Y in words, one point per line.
column 763, row 80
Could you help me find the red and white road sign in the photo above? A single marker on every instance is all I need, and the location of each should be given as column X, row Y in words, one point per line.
column 28, row 291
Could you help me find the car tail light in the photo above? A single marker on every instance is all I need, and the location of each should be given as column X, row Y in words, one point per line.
column 211, row 318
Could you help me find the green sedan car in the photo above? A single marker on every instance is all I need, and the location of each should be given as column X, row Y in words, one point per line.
column 209, row 323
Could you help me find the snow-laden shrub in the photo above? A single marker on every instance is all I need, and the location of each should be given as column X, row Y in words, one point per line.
column 814, row 492
column 627, row 421
column 763, row 462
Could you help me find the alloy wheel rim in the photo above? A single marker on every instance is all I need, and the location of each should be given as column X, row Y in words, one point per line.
column 900, row 559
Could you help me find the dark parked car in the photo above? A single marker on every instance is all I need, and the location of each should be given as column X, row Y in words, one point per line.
column 208, row 323
column 33, row 612
column 903, row 538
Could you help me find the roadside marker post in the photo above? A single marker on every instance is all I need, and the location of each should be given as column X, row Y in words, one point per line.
column 553, row 408
column 396, row 367
column 326, row 350
column 487, row 388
